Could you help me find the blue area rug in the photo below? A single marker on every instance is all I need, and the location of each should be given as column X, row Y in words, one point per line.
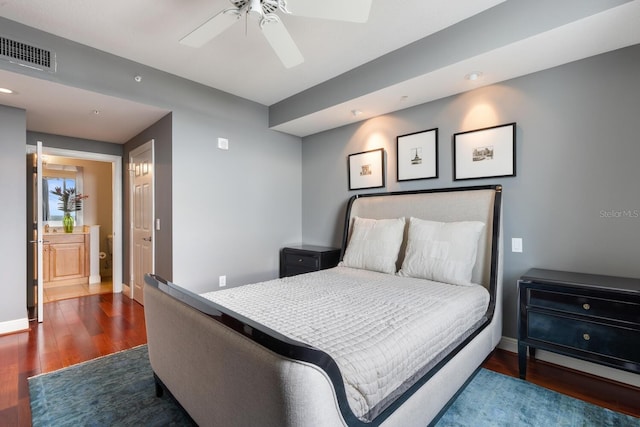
column 493, row 399
column 115, row 390
column 119, row 390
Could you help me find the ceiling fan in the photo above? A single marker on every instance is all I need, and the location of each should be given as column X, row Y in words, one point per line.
column 271, row 25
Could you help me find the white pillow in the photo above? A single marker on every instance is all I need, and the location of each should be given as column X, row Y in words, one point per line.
column 441, row 251
column 374, row 244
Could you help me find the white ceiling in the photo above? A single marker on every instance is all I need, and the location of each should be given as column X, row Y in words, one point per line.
column 242, row 63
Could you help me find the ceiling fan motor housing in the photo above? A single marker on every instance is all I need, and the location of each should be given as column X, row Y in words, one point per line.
column 259, row 8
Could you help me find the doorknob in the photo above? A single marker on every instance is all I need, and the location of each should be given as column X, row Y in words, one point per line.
column 147, row 239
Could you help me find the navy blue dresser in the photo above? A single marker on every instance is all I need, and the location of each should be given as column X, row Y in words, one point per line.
column 590, row 317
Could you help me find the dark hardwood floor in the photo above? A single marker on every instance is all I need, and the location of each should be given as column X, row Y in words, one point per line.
column 80, row 329
column 74, row 330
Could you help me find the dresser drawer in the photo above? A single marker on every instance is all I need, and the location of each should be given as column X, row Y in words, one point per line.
column 297, row 260
column 585, row 305
column 606, row 340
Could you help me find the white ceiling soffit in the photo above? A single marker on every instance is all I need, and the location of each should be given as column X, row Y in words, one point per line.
column 63, row 110
column 606, row 31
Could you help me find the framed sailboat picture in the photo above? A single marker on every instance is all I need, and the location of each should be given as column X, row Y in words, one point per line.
column 417, row 155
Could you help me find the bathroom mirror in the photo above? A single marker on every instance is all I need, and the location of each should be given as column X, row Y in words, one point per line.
column 65, row 177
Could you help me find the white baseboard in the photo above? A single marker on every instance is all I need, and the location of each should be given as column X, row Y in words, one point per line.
column 94, row 279
column 11, row 326
column 511, row 344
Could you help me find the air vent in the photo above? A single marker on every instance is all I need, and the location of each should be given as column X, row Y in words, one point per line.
column 27, row 55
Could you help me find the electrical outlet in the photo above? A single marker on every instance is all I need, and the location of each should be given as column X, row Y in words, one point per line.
column 222, row 281
column 516, row 244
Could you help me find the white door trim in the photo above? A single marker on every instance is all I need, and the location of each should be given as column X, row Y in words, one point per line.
column 116, row 186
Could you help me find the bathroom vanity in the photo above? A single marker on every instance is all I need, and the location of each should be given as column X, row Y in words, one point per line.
column 66, row 258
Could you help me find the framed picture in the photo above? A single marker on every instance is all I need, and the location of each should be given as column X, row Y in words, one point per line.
column 417, row 155
column 485, row 153
column 366, row 169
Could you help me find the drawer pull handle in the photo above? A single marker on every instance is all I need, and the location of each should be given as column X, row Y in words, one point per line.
column 299, row 259
column 586, row 337
column 586, row 306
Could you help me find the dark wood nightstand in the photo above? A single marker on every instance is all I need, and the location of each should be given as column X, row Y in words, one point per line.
column 591, row 317
column 307, row 258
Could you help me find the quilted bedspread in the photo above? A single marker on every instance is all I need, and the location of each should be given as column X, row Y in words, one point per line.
column 379, row 328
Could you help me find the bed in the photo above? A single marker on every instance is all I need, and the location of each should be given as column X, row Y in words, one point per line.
column 387, row 338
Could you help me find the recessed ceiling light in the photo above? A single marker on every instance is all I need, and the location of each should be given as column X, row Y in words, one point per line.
column 474, row 75
column 5, row 90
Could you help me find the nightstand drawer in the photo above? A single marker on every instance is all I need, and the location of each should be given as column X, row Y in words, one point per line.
column 296, row 260
column 307, row 258
column 606, row 340
column 585, row 305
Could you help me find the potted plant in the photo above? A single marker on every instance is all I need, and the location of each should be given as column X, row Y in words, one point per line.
column 69, row 202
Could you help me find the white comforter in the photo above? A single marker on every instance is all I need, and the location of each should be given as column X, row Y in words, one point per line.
column 379, row 328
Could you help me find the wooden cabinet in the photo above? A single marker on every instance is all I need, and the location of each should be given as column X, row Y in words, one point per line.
column 66, row 259
column 591, row 317
column 307, row 258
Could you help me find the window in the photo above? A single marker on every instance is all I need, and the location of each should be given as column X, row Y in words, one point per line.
column 51, row 211
column 65, row 177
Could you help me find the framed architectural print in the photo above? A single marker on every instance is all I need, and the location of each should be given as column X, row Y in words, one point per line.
column 417, row 155
column 366, row 169
column 485, row 153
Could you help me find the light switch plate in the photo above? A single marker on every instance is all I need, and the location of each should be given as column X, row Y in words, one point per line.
column 223, row 143
column 516, row 244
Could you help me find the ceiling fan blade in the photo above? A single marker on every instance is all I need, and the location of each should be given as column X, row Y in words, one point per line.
column 339, row 10
column 211, row 29
column 282, row 43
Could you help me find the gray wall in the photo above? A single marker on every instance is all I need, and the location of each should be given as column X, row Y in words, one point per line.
column 577, row 162
column 160, row 132
column 13, row 262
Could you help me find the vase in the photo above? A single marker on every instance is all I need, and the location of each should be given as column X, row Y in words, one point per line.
column 67, row 223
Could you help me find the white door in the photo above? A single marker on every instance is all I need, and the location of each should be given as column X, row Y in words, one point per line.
column 142, row 214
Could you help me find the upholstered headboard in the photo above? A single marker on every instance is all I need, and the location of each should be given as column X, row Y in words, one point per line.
column 480, row 203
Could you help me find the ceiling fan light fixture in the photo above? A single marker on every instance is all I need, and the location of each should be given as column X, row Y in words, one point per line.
column 255, row 9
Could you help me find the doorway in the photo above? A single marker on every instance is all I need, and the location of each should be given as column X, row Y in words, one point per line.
column 79, row 267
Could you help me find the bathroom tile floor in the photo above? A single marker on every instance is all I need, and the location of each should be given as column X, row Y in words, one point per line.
column 73, row 291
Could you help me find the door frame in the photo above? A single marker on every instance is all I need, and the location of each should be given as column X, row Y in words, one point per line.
column 149, row 145
column 116, row 187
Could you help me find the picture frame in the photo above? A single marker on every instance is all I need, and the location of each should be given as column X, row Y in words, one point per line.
column 417, row 155
column 485, row 153
column 366, row 169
